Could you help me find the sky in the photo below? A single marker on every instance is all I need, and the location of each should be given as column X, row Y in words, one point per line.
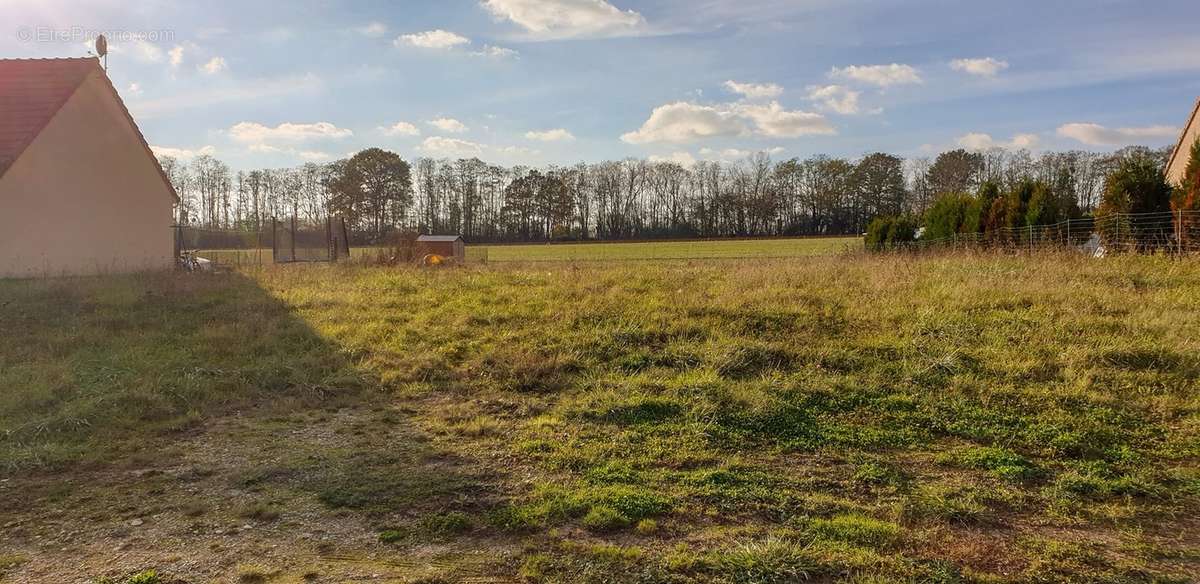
column 536, row 82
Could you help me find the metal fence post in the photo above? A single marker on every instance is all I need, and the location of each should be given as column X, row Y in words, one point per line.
column 330, row 244
column 346, row 237
column 1179, row 232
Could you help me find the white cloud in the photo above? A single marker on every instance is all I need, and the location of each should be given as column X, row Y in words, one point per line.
column 555, row 135
column 440, row 146
column 979, row 142
column 754, row 90
column 266, row 149
column 314, row 155
column 682, row 122
column 1025, row 141
column 1097, row 135
column 400, row 129
column 496, row 52
column 182, row 153
column 835, row 98
column 373, row 29
column 432, row 39
column 881, row 75
column 560, row 19
column 985, row 67
column 774, row 121
column 255, row 133
column 727, row 154
column 686, row 122
column 684, row 159
column 448, row 125
column 135, row 90
column 176, row 55
column 214, row 65
column 144, row 51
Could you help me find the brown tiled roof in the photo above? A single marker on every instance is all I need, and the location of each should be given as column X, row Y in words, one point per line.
column 31, row 93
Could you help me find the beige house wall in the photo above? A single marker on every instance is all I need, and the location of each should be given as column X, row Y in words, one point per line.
column 85, row 197
column 1179, row 159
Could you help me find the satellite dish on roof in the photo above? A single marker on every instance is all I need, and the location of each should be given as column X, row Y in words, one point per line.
column 102, row 49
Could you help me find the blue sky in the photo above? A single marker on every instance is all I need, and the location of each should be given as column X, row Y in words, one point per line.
column 260, row 83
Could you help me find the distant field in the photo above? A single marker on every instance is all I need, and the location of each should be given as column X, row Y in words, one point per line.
column 616, row 251
column 986, row 419
column 710, row 249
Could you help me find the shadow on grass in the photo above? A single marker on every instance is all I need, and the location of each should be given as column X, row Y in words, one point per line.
column 117, row 369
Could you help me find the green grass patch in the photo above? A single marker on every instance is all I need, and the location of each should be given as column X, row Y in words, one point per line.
column 767, row 415
column 1001, row 462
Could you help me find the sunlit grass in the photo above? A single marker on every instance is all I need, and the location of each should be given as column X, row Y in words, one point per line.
column 710, row 249
column 751, row 249
column 850, row 417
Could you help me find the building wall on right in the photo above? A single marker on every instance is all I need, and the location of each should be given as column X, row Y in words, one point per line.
column 1179, row 159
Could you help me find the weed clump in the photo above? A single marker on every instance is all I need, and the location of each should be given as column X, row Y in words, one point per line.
column 599, row 507
column 1001, row 462
column 770, row 561
column 856, row 529
column 604, row 518
column 145, row 577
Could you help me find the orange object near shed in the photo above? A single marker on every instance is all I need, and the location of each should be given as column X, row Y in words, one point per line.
column 447, row 246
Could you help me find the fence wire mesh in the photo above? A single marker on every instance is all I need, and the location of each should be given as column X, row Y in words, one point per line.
column 1167, row 231
column 277, row 241
column 297, row 241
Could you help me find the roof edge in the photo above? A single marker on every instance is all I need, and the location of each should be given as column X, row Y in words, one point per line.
column 27, row 141
column 137, row 131
column 1179, row 146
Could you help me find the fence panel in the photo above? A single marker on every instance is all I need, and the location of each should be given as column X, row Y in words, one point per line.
column 1167, row 231
column 228, row 247
column 278, row 241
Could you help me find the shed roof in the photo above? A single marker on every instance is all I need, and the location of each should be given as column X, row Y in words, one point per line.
column 446, row 238
column 32, row 91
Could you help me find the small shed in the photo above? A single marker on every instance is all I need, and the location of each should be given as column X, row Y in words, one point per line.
column 450, row 247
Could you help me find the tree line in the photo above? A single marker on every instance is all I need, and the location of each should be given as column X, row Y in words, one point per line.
column 380, row 193
column 1134, row 196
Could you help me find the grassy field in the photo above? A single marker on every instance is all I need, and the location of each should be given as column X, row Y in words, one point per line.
column 718, row 249
column 617, row 251
column 859, row 419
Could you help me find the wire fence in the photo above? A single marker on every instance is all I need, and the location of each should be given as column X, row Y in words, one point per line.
column 276, row 241
column 289, row 240
column 1167, row 231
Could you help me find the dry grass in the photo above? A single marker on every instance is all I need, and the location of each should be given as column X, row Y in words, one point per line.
column 857, row 418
